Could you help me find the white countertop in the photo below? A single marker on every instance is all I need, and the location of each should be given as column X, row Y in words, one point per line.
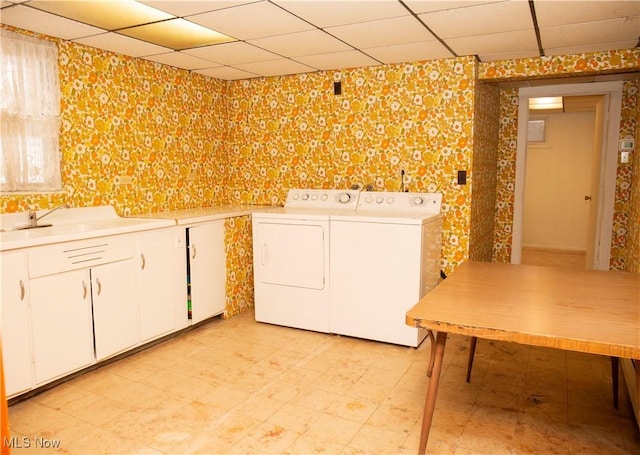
column 204, row 214
column 71, row 224
column 90, row 222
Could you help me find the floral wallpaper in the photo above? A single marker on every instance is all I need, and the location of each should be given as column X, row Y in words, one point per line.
column 185, row 140
column 294, row 132
column 239, row 253
column 632, row 250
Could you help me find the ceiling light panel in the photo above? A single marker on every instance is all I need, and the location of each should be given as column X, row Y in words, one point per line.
column 182, row 8
column 255, row 20
column 47, row 24
column 107, row 14
column 330, row 13
column 176, row 34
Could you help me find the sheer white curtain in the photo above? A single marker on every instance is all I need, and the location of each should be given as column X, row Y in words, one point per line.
column 29, row 114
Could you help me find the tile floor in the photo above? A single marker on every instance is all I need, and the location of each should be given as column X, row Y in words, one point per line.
column 241, row 387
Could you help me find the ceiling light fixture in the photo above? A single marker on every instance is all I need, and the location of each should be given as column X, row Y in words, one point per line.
column 177, row 34
column 546, row 103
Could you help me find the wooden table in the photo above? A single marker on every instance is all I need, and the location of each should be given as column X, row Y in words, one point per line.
column 589, row 311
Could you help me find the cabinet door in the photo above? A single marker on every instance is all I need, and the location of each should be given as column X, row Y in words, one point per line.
column 61, row 324
column 15, row 330
column 155, row 277
column 115, row 308
column 207, row 268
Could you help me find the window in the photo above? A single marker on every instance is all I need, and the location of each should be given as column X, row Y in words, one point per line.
column 29, row 114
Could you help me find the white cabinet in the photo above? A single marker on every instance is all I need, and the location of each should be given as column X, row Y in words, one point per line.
column 15, row 329
column 155, row 263
column 61, row 324
column 206, row 269
column 115, row 308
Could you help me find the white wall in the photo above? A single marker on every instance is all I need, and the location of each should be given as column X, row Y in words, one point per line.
column 558, row 176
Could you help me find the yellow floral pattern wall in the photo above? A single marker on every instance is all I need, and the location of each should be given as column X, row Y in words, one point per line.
column 293, row 131
column 186, row 140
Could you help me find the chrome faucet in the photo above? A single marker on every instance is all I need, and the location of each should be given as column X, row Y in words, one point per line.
column 34, row 218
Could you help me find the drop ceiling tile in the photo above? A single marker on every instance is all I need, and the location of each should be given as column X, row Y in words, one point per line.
column 330, row 13
column 45, row 23
column 412, row 52
column 338, row 60
column 303, row 43
column 232, row 53
column 384, row 32
column 428, row 6
column 121, row 44
column 480, row 20
column 176, row 34
column 490, row 57
column 181, row 60
column 254, row 20
column 182, row 8
column 567, row 12
column 607, row 31
column 227, row 73
column 591, row 48
column 519, row 41
column 279, row 67
column 111, row 15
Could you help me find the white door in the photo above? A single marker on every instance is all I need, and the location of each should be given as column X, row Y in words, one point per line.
column 207, row 268
column 61, row 324
column 290, row 255
column 155, row 276
column 115, row 308
column 15, row 331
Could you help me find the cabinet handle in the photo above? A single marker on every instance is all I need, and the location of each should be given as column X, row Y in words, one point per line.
column 193, row 248
column 144, row 261
column 22, row 291
column 84, row 290
column 99, row 285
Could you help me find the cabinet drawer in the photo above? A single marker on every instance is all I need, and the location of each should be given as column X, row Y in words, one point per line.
column 62, row 257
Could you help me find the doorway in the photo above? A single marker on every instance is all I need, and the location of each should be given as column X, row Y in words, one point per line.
column 602, row 186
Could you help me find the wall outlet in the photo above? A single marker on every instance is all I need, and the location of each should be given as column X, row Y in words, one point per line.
column 123, row 180
column 192, row 177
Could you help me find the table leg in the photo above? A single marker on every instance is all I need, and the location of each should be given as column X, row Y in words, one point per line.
column 432, row 391
column 432, row 357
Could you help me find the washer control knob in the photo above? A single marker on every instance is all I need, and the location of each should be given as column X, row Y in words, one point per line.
column 314, row 197
column 344, row 198
column 418, row 201
column 324, row 197
column 295, row 196
column 390, row 200
column 369, row 199
column 379, row 199
column 305, row 197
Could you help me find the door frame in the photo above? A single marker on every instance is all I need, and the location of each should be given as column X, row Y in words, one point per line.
column 608, row 164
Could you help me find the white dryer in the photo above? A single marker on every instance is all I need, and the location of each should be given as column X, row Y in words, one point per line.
column 291, row 258
column 384, row 258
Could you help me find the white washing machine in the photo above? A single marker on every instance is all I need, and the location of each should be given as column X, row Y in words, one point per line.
column 291, row 258
column 384, row 258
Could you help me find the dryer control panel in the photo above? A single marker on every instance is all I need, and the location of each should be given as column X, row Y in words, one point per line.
column 323, row 199
column 404, row 202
